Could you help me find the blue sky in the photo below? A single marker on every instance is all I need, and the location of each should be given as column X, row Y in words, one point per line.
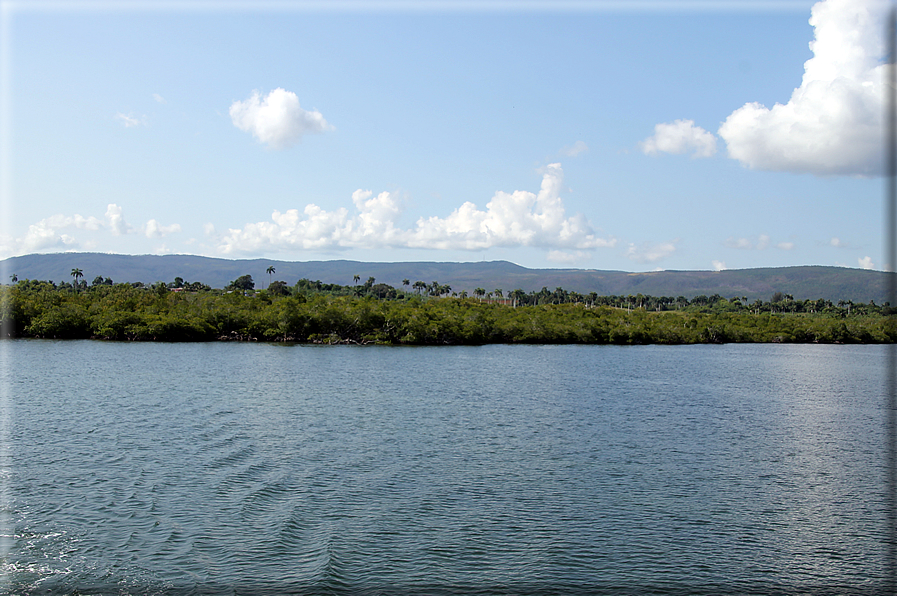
column 631, row 136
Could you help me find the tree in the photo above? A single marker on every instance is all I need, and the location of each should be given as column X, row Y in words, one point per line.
column 270, row 271
column 242, row 283
column 278, row 288
column 76, row 275
column 355, row 278
column 479, row 293
column 14, row 278
column 419, row 286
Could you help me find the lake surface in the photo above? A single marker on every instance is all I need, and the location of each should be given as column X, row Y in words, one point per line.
column 276, row 469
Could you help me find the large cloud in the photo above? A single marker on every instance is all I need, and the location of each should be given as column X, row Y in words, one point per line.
column 276, row 120
column 520, row 218
column 832, row 123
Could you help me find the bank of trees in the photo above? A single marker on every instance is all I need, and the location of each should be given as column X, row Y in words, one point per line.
column 425, row 314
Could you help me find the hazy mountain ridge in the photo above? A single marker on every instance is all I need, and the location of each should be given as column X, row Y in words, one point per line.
column 802, row 282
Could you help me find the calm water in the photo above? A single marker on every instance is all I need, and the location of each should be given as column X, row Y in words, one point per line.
column 272, row 469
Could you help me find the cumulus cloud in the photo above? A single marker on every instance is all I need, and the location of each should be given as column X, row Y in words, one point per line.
column 276, row 120
column 832, row 123
column 520, row 218
column 679, row 137
column 159, row 98
column 718, row 265
column 154, row 229
column 116, row 220
column 575, row 149
column 59, row 231
column 47, row 232
column 648, row 252
column 865, row 262
column 785, row 245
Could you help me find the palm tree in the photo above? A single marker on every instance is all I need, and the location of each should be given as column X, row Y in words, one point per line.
column 355, row 278
column 76, row 274
column 14, row 278
column 479, row 293
column 270, row 271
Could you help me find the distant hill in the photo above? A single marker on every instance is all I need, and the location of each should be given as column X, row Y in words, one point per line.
column 832, row 283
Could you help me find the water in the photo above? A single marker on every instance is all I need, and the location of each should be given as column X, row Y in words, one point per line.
column 275, row 469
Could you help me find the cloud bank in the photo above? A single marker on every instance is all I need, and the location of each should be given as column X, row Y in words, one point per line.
column 762, row 243
column 516, row 219
column 832, row 123
column 61, row 232
column 276, row 120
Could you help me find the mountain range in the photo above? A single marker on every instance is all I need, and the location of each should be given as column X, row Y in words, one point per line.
column 801, row 282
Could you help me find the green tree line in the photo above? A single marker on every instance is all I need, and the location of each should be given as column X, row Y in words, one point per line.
column 420, row 314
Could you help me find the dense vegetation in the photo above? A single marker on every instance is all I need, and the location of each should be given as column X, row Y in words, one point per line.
column 420, row 313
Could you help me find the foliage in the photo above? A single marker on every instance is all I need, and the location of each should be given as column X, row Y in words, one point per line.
column 378, row 313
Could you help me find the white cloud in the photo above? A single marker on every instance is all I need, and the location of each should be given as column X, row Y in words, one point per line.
column 159, row 98
column 66, row 232
column 46, row 233
column 515, row 219
column 648, row 252
column 680, row 137
column 762, row 243
column 838, row 243
column 575, row 149
column 718, row 265
column 116, row 221
column 560, row 256
column 742, row 243
column 865, row 262
column 129, row 121
column 276, row 120
column 832, row 123
column 154, row 229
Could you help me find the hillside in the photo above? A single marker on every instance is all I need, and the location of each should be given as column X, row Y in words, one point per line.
column 831, row 283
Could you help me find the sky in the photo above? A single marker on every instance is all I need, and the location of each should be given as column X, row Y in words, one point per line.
column 635, row 136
